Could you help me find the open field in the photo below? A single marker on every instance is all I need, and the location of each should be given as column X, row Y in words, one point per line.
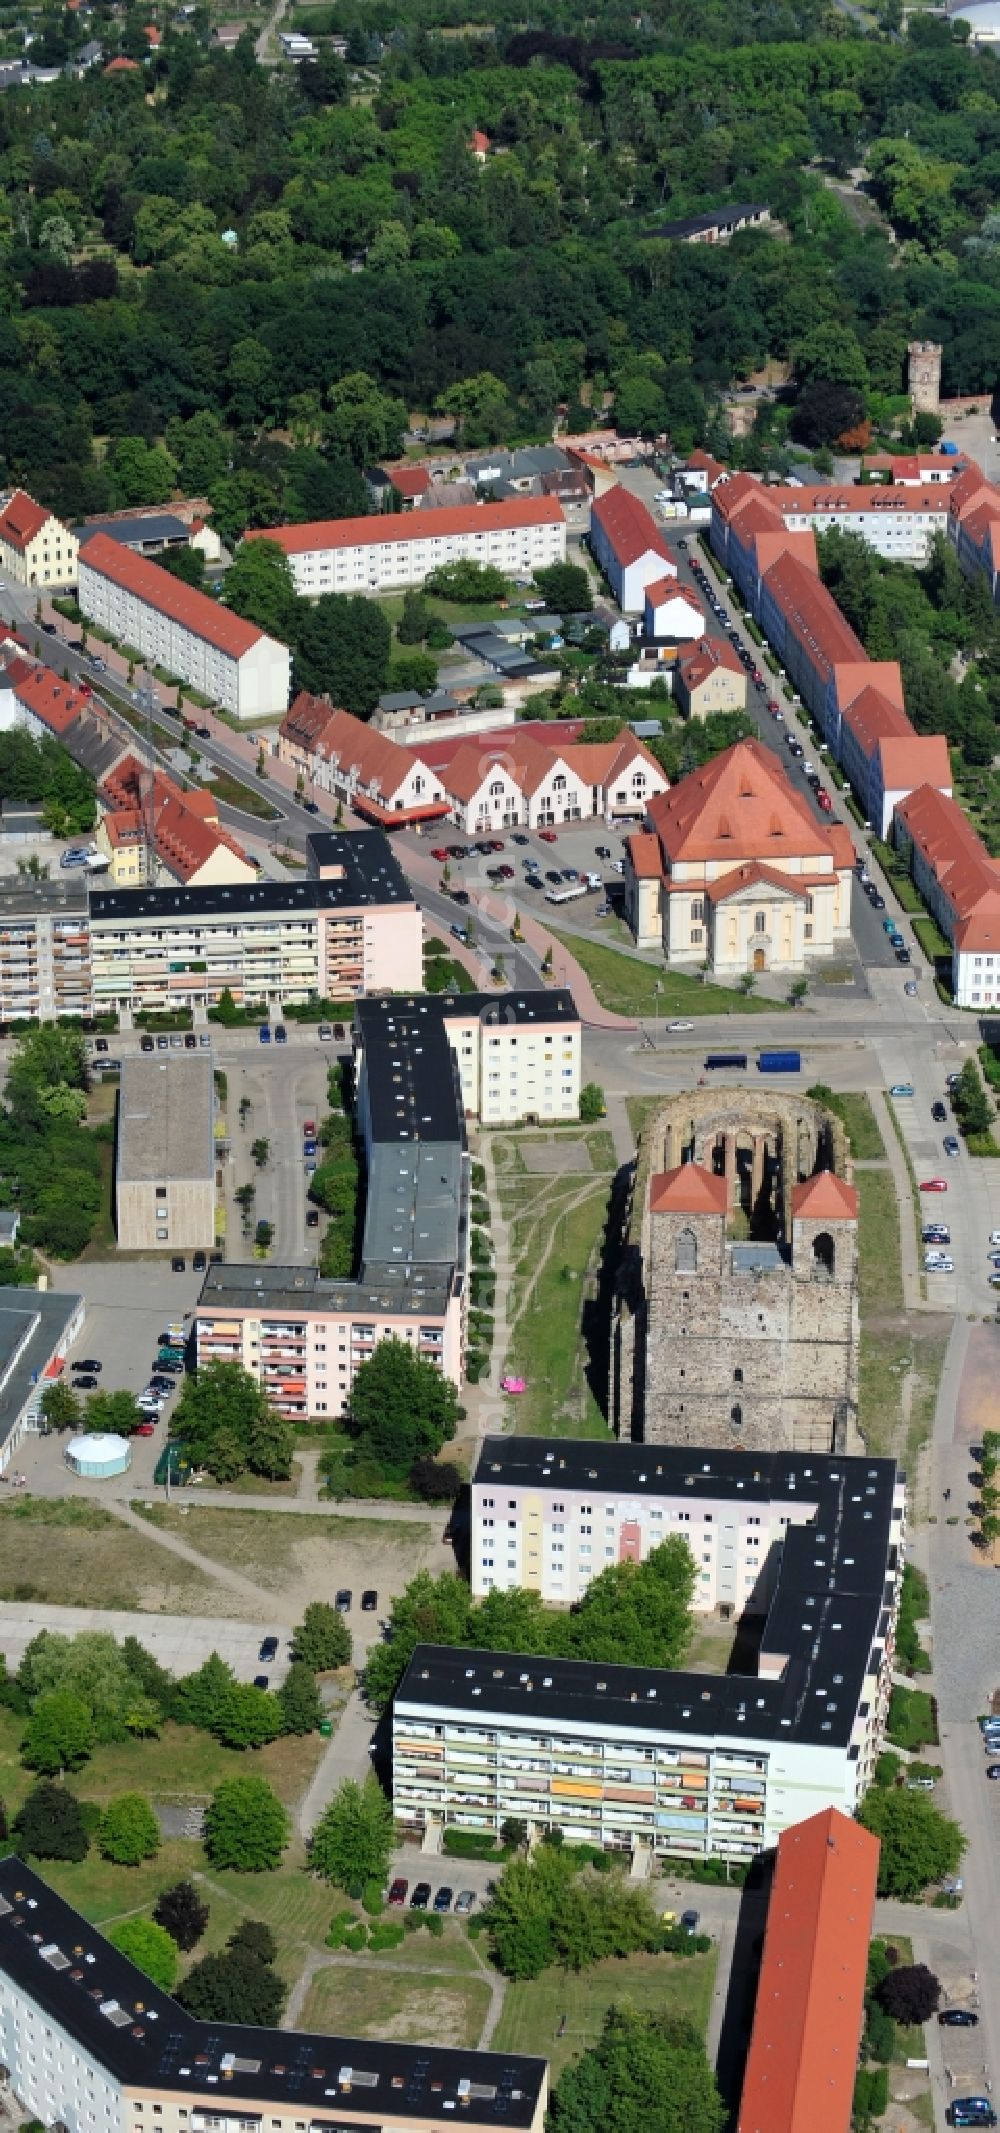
column 627, row 986
column 76, row 1554
column 296, row 1555
column 653, row 1984
column 371, row 1999
column 556, row 1232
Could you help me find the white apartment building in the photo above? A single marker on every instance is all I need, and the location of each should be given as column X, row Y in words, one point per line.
column 35, row 547
column 518, row 1055
column 655, row 1760
column 183, row 631
column 91, row 2044
column 44, row 949
column 350, row 927
column 389, row 550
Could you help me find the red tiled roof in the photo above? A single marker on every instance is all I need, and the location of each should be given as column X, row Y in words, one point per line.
column 701, row 462
column 384, row 528
column 169, row 596
column 738, row 807
column 706, row 658
column 744, row 877
column 872, row 718
column 730, row 497
column 879, row 499
column 353, row 748
column 439, row 752
column 811, row 614
column 409, row 481
column 689, row 1190
column 21, row 520
column 851, row 676
column 668, row 589
column 767, row 547
column 959, row 861
column 803, row 2054
column 630, row 528
column 152, row 34
column 825, row 1198
column 644, row 855
column 57, row 703
column 122, row 66
column 915, row 759
column 186, row 828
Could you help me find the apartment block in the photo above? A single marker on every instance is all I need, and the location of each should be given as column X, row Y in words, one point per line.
column 518, row 1055
column 165, row 1153
column 389, row 550
column 45, row 967
column 349, row 927
column 662, row 1762
column 629, row 547
column 89, row 2043
column 183, row 631
column 304, row 1336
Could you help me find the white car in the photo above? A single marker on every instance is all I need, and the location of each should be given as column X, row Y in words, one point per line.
column 618, row 866
column 939, row 1264
column 995, row 1236
column 675, row 1026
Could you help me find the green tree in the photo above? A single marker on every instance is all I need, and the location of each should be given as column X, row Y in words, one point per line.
column 149, row 1947
column 139, row 473
column 271, row 1448
column 481, row 406
column 129, row 1831
column 365, row 422
column 253, row 1937
column 217, row 1416
column 413, row 670
column 60, row 1405
column 182, row 1913
column 50, row 1824
column 402, row 1408
column 430, row 1611
column 246, row 1826
column 201, row 1695
column 919, row 1844
column 298, row 1696
column 116, row 1414
column 59, row 1734
column 565, row 587
column 467, row 582
column 353, row 1839
column 248, row 1717
column 236, row 1987
column 94, row 1667
column 416, row 618
column 646, row 2075
column 592, row 1104
column 342, row 650
column 261, row 588
column 322, row 1640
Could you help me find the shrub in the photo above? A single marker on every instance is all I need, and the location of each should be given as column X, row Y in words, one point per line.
column 871, row 2094
column 912, row 1719
column 372, row 1897
column 387, row 1934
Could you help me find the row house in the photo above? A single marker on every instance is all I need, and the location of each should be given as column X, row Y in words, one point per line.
column 515, row 778
column 629, row 547
column 960, row 884
column 369, row 772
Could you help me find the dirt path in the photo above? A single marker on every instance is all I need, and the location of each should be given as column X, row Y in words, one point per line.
column 264, row 1604
column 568, row 1208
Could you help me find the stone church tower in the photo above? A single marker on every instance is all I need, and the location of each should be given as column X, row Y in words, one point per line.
column 923, row 376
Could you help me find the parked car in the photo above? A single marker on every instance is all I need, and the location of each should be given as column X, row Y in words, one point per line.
column 442, row 1900
column 178, row 1265
column 548, row 836
column 280, row 1033
column 939, row 1111
column 369, row 1600
column 262, row 1681
column 398, row 1889
column 465, row 1902
column 268, row 1649
column 901, row 1088
column 344, row 1600
column 934, row 1185
column 198, row 1262
column 264, row 1033
column 958, row 2018
column 422, row 1895
column 950, row 1144
column 312, row 1217
column 146, row 1044
column 86, row 1383
column 690, row 1921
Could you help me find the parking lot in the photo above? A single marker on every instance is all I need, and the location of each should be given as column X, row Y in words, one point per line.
column 281, row 1093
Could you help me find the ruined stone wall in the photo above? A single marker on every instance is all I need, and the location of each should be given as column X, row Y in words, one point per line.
column 718, row 1339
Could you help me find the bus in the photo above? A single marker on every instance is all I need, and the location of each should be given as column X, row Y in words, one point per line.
column 719, row 1062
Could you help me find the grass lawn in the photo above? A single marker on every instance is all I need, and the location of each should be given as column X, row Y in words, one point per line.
column 183, row 1764
column 626, row 986
column 85, row 1557
column 227, row 788
column 360, row 1997
column 547, row 1345
column 653, row 1984
column 856, row 1114
column 277, row 1551
column 881, row 1279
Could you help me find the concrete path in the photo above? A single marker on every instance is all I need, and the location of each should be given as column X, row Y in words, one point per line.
column 913, row 1282
column 347, row 1755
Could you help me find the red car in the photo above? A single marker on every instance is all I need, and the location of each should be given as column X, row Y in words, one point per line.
column 496, row 844
column 397, row 1892
column 438, row 852
column 309, row 1126
column 144, row 1429
column 824, row 801
column 548, row 836
column 773, row 705
column 934, row 1185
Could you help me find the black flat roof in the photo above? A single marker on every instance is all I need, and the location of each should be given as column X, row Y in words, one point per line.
column 412, row 1009
column 828, row 1608
column 411, row 1081
column 144, row 2039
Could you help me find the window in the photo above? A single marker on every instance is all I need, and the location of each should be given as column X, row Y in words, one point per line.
column 686, row 1253
column 737, row 1376
column 698, row 908
column 760, row 922
column 823, row 1253
column 736, row 1416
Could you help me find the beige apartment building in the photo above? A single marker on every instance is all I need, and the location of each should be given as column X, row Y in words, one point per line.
column 518, row 1055
column 91, row 2044
column 165, row 1159
column 349, row 927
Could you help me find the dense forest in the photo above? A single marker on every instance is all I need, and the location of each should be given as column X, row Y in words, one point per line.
column 242, row 281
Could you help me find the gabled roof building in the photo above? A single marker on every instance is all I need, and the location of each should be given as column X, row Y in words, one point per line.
column 184, row 631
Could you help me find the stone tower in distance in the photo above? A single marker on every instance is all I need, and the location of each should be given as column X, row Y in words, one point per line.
column 924, row 376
